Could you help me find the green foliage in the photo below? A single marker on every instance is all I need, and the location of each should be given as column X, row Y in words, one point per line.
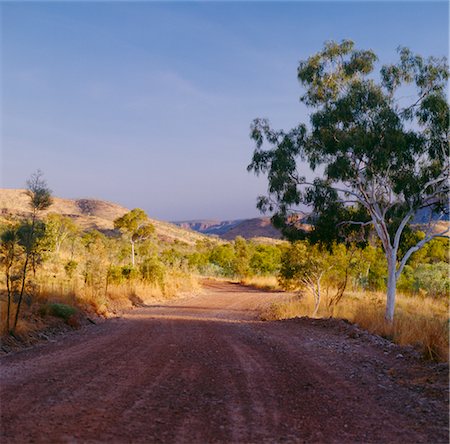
column 173, row 258
column 301, row 263
column 362, row 138
column 129, row 273
column 120, row 274
column 153, row 271
column 242, row 254
column 198, row 261
column 95, row 260
column 266, row 260
column 437, row 250
column 59, row 310
column 136, row 226
column 433, row 279
column 372, row 270
column 60, row 229
column 93, row 240
column 223, row 256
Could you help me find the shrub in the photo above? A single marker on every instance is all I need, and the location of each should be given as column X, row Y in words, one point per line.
column 59, row 310
column 70, row 268
column 432, row 278
column 153, row 271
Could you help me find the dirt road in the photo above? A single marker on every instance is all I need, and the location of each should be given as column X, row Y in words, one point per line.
column 204, row 369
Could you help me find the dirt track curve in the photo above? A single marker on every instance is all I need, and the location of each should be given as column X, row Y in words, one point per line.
column 204, row 369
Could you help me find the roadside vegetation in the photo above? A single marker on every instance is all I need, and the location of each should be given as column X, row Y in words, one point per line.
column 52, row 268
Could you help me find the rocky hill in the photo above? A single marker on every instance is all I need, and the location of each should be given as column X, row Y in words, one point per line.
column 229, row 229
column 89, row 214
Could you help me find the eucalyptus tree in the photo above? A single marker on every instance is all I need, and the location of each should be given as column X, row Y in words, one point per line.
column 381, row 141
column 136, row 226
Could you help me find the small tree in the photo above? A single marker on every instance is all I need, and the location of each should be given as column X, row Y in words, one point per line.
column 384, row 157
column 60, row 228
column 10, row 250
column 303, row 267
column 136, row 226
column 323, row 273
column 242, row 254
column 31, row 231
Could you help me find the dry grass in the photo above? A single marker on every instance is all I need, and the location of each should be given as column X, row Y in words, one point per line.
column 269, row 283
column 419, row 321
column 125, row 296
column 115, row 299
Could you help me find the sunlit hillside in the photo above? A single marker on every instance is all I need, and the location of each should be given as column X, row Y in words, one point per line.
column 90, row 214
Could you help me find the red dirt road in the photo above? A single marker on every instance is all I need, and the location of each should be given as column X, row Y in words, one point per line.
column 204, row 369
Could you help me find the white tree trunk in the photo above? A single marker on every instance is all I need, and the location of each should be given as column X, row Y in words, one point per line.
column 391, row 289
column 316, row 294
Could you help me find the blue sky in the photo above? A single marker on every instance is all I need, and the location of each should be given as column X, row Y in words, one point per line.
column 149, row 104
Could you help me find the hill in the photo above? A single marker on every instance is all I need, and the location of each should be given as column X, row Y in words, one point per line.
column 213, row 227
column 229, row 229
column 250, row 228
column 90, row 214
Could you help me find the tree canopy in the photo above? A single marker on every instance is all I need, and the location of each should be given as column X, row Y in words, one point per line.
column 136, row 226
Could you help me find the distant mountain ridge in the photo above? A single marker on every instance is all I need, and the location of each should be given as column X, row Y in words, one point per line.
column 213, row 227
column 262, row 226
column 229, row 229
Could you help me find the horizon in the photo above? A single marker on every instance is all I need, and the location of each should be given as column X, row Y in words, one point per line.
column 149, row 104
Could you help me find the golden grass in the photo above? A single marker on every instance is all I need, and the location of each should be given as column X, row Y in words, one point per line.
column 269, row 283
column 419, row 321
column 103, row 302
column 3, row 312
column 125, row 296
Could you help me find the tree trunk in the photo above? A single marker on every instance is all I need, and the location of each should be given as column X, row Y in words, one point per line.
column 132, row 253
column 24, row 271
column 22, row 288
column 391, row 290
column 316, row 293
column 8, row 310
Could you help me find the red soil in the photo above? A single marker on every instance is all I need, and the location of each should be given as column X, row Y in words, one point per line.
column 204, row 369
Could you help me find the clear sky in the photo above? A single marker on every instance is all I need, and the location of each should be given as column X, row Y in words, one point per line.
column 149, row 104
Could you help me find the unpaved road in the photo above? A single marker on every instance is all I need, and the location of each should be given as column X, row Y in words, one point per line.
column 204, row 369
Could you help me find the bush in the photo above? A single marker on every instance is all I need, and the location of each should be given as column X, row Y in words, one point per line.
column 59, row 310
column 223, row 256
column 266, row 260
column 433, row 279
column 153, row 271
column 70, row 268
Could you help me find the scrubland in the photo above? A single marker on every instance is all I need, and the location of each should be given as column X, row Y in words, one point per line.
column 67, row 272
